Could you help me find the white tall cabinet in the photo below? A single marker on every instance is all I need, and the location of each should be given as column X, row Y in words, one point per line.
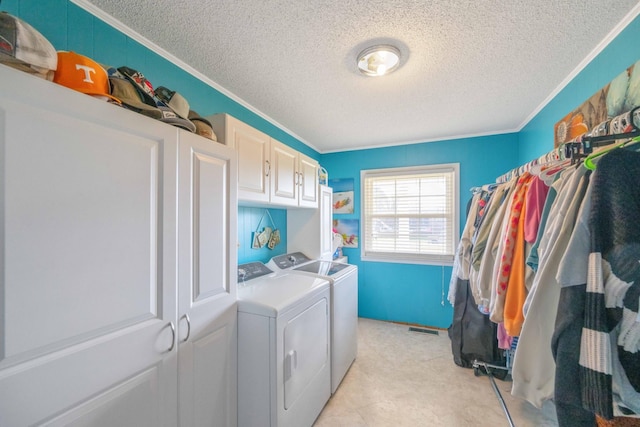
column 118, row 244
column 207, row 260
column 311, row 230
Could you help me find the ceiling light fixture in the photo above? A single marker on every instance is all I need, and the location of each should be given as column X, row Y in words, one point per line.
column 378, row 60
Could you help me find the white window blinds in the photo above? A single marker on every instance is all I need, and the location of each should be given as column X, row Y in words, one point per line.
column 410, row 214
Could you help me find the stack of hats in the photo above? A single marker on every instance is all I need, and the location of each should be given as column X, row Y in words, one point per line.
column 131, row 89
column 174, row 107
column 131, row 98
column 24, row 48
column 146, row 95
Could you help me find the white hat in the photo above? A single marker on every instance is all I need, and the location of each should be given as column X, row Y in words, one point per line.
column 24, row 48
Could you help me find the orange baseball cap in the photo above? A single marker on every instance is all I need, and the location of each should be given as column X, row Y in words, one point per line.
column 83, row 74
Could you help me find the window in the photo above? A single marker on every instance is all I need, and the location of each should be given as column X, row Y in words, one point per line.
column 410, row 214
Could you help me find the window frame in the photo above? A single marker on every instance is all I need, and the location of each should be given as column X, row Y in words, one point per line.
column 412, row 258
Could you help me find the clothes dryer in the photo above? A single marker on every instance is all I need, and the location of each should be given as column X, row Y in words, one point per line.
column 344, row 305
column 284, row 376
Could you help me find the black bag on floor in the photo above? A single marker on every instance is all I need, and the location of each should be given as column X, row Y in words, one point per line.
column 473, row 335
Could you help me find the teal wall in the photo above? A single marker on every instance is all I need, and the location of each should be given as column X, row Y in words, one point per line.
column 248, row 221
column 399, row 292
column 69, row 27
column 412, row 293
column 407, row 292
column 536, row 138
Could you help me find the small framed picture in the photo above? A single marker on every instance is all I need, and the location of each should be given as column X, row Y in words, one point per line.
column 343, row 201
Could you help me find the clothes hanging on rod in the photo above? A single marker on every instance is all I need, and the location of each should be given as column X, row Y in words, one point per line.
column 534, row 367
column 483, row 288
column 482, row 238
column 543, row 264
column 613, row 288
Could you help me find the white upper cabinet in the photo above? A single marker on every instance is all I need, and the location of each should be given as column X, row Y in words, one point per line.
column 284, row 175
column 308, row 181
column 294, row 177
column 254, row 150
column 269, row 172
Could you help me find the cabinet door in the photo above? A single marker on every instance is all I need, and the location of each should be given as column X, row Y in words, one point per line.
column 253, row 148
column 207, row 260
column 308, row 181
column 285, row 177
column 326, row 222
column 309, row 230
column 88, row 269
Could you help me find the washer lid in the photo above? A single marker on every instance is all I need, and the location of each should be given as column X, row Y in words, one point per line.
column 323, row 268
column 273, row 295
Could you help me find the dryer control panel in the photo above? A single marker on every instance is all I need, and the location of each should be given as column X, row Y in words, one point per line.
column 287, row 261
column 251, row 270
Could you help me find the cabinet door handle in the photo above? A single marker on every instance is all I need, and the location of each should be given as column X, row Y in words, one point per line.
column 186, row 317
column 301, row 180
column 268, row 167
column 297, row 179
column 173, row 336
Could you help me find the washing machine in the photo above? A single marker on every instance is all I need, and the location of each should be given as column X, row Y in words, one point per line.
column 344, row 305
column 284, row 353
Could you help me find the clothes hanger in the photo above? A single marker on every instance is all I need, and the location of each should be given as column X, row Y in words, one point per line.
column 624, row 126
column 548, row 165
column 548, row 175
column 590, row 163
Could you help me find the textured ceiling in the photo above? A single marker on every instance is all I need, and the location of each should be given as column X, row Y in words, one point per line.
column 469, row 67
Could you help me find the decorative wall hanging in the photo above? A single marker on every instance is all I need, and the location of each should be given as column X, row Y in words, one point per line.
column 622, row 94
column 348, row 228
column 269, row 236
column 342, row 195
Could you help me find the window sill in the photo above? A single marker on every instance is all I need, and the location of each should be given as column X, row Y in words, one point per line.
column 421, row 260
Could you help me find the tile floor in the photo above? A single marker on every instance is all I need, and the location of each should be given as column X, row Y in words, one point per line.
column 403, row 378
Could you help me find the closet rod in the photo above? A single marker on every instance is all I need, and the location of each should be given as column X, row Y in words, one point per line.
column 584, row 144
column 588, row 142
column 573, row 150
column 600, row 135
